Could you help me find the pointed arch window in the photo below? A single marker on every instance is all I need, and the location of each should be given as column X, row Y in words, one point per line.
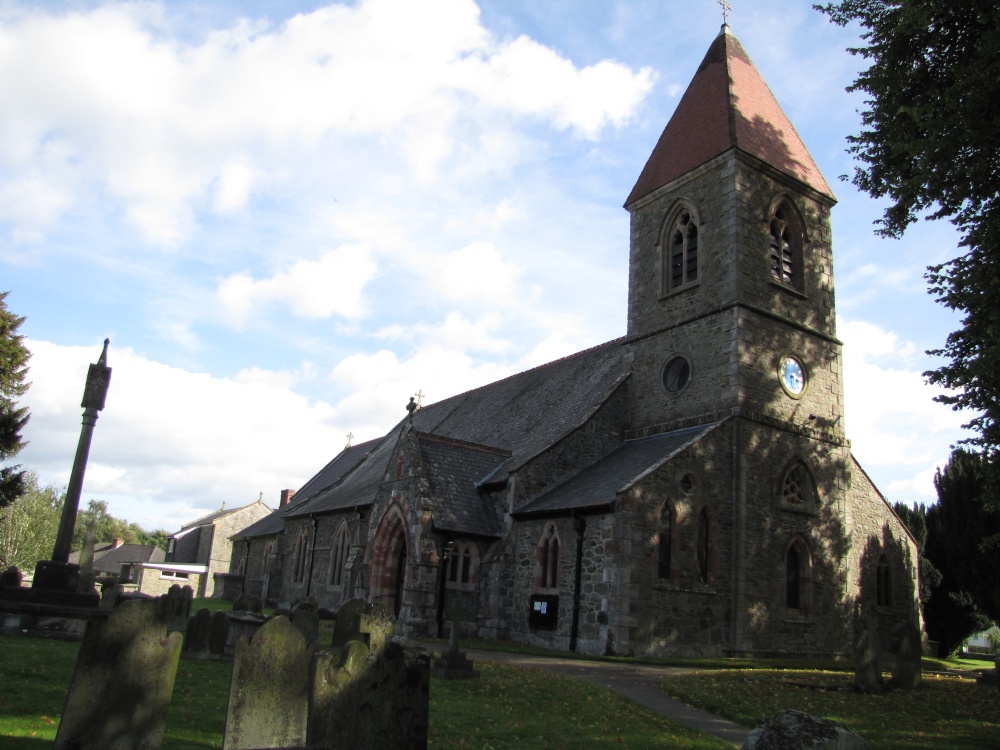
column 785, row 233
column 666, row 544
column 338, row 557
column 547, row 555
column 463, row 565
column 798, row 576
column 681, row 252
column 883, row 582
column 299, row 556
column 798, row 490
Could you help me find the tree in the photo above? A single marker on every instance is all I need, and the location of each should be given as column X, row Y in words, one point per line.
column 964, row 532
column 950, row 614
column 13, row 372
column 28, row 526
column 931, row 144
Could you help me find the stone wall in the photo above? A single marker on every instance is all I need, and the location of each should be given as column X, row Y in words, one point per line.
column 152, row 582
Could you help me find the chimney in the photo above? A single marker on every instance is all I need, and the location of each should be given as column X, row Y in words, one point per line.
column 286, row 497
column 118, row 542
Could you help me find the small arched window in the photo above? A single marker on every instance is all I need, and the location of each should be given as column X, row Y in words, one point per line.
column 883, row 582
column 299, row 556
column 680, row 252
column 798, row 575
column 462, row 562
column 798, row 490
column 338, row 557
column 785, row 234
column 547, row 555
column 267, row 560
column 665, row 544
column 704, row 546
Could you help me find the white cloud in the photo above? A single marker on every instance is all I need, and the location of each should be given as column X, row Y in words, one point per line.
column 475, row 273
column 332, row 285
column 171, row 443
column 169, row 129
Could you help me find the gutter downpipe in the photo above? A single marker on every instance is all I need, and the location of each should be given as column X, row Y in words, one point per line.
column 579, row 525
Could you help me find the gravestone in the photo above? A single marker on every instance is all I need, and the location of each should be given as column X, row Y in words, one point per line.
column 906, row 656
column 453, row 665
column 794, row 730
column 364, row 701
column 12, row 577
column 196, row 636
column 218, row 634
column 248, row 603
column 124, row 677
column 867, row 654
column 269, row 688
column 348, row 622
column 305, row 616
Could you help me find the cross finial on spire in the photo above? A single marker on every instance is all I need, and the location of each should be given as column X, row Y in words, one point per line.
column 726, row 9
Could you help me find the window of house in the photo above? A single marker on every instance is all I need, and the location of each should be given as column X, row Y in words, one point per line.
column 338, row 557
column 786, row 246
column 665, row 543
column 681, row 252
column 177, row 574
column 703, row 546
column 299, row 556
column 462, row 563
column 797, row 488
column 547, row 555
column 797, row 575
column 883, row 582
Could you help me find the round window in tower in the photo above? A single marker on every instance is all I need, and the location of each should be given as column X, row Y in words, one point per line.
column 676, row 374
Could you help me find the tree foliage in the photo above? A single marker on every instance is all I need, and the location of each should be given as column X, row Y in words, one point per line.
column 107, row 528
column 13, row 384
column 28, row 526
column 930, row 143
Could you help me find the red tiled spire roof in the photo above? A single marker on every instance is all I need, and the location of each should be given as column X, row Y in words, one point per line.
column 727, row 104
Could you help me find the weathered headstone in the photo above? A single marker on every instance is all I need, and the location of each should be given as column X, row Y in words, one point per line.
column 867, row 654
column 269, row 688
column 12, row 577
column 348, row 622
column 360, row 701
column 906, row 656
column 248, row 603
column 794, row 730
column 453, row 665
column 305, row 616
column 196, row 635
column 123, row 681
column 218, row 633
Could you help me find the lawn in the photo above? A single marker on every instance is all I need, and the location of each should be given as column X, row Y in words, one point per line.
column 508, row 707
column 945, row 712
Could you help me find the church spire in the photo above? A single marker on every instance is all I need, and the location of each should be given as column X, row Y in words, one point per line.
column 727, row 105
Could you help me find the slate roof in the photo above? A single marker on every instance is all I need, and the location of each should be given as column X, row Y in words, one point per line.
column 597, row 486
column 727, row 104
column 108, row 558
column 516, row 418
column 453, row 469
column 329, row 475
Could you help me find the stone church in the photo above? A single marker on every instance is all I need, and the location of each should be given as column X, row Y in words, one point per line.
column 686, row 489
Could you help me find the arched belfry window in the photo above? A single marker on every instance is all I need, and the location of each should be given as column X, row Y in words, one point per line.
column 680, row 251
column 883, row 582
column 798, row 490
column 785, row 233
column 547, row 555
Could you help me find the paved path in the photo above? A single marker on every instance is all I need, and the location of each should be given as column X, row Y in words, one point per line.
column 639, row 682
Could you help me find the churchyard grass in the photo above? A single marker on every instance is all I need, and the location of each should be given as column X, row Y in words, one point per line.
column 946, row 711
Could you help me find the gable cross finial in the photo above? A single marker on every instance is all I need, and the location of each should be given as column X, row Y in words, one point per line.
column 350, row 437
column 420, row 399
column 726, row 10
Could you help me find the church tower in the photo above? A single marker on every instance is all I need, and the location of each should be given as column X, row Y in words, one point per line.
column 731, row 298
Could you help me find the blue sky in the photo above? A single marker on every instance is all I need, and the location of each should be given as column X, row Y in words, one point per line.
column 289, row 217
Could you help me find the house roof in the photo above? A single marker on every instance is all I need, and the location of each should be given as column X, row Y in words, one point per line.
column 329, row 475
column 212, row 518
column 453, row 470
column 597, row 486
column 109, row 558
column 727, row 105
column 494, row 429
